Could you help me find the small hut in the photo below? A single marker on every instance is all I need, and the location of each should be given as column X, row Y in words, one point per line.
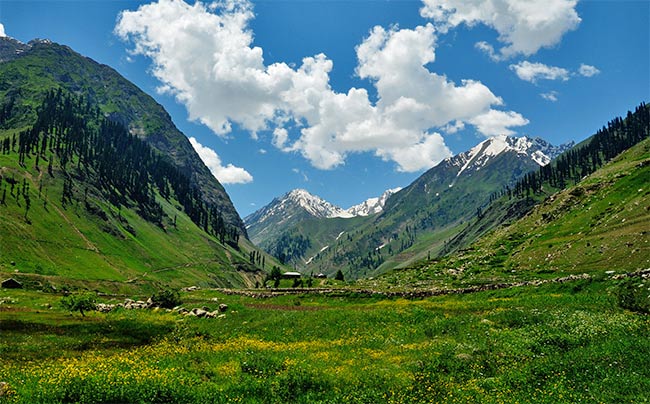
column 291, row 275
column 11, row 283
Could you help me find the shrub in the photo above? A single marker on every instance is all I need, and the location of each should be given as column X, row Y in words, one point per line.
column 167, row 299
column 634, row 294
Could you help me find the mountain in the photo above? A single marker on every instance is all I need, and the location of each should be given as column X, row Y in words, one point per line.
column 99, row 189
column 11, row 49
column 295, row 206
column 30, row 70
column 299, row 205
column 387, row 230
column 596, row 226
column 569, row 168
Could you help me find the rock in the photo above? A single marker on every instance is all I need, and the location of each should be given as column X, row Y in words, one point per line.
column 104, row 308
column 215, row 299
column 150, row 303
column 206, row 308
column 199, row 312
column 223, row 307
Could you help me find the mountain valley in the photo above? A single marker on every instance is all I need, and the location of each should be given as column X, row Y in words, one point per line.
column 516, row 271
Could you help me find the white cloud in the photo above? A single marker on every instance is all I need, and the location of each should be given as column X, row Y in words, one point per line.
column 454, row 127
column 550, row 96
column 228, row 81
column 2, row 31
column 226, row 175
column 488, row 50
column 280, row 137
column 495, row 123
column 523, row 26
column 588, row 70
column 532, row 72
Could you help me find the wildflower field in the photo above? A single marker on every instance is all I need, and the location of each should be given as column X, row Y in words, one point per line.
column 556, row 343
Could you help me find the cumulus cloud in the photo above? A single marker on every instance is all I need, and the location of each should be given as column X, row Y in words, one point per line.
column 495, row 123
column 550, row 96
column 532, row 72
column 588, row 70
column 523, row 26
column 2, row 31
column 228, row 82
column 225, row 174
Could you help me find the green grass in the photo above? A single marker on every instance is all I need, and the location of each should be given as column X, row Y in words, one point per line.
column 552, row 344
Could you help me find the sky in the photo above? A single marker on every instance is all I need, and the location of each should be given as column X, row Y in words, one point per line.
column 348, row 98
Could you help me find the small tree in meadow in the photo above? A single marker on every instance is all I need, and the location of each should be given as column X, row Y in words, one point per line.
column 79, row 302
column 339, row 276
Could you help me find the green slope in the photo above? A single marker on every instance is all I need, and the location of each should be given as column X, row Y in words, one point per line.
column 107, row 248
column 43, row 65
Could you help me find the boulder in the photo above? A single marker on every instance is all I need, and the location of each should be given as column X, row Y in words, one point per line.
column 199, row 312
column 223, row 307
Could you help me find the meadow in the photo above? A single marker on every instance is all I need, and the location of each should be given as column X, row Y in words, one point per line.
column 555, row 343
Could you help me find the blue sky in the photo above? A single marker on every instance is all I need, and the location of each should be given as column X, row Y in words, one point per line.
column 349, row 98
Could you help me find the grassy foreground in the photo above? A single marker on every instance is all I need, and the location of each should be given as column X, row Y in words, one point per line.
column 550, row 344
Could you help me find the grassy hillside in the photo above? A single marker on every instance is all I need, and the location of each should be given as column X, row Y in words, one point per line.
column 599, row 225
column 85, row 203
column 95, row 244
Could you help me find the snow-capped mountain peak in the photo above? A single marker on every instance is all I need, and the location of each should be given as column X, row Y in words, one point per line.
column 537, row 149
column 314, row 205
column 296, row 203
column 372, row 205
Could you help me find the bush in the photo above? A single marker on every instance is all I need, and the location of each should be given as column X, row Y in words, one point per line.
column 167, row 299
column 634, row 294
column 79, row 302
